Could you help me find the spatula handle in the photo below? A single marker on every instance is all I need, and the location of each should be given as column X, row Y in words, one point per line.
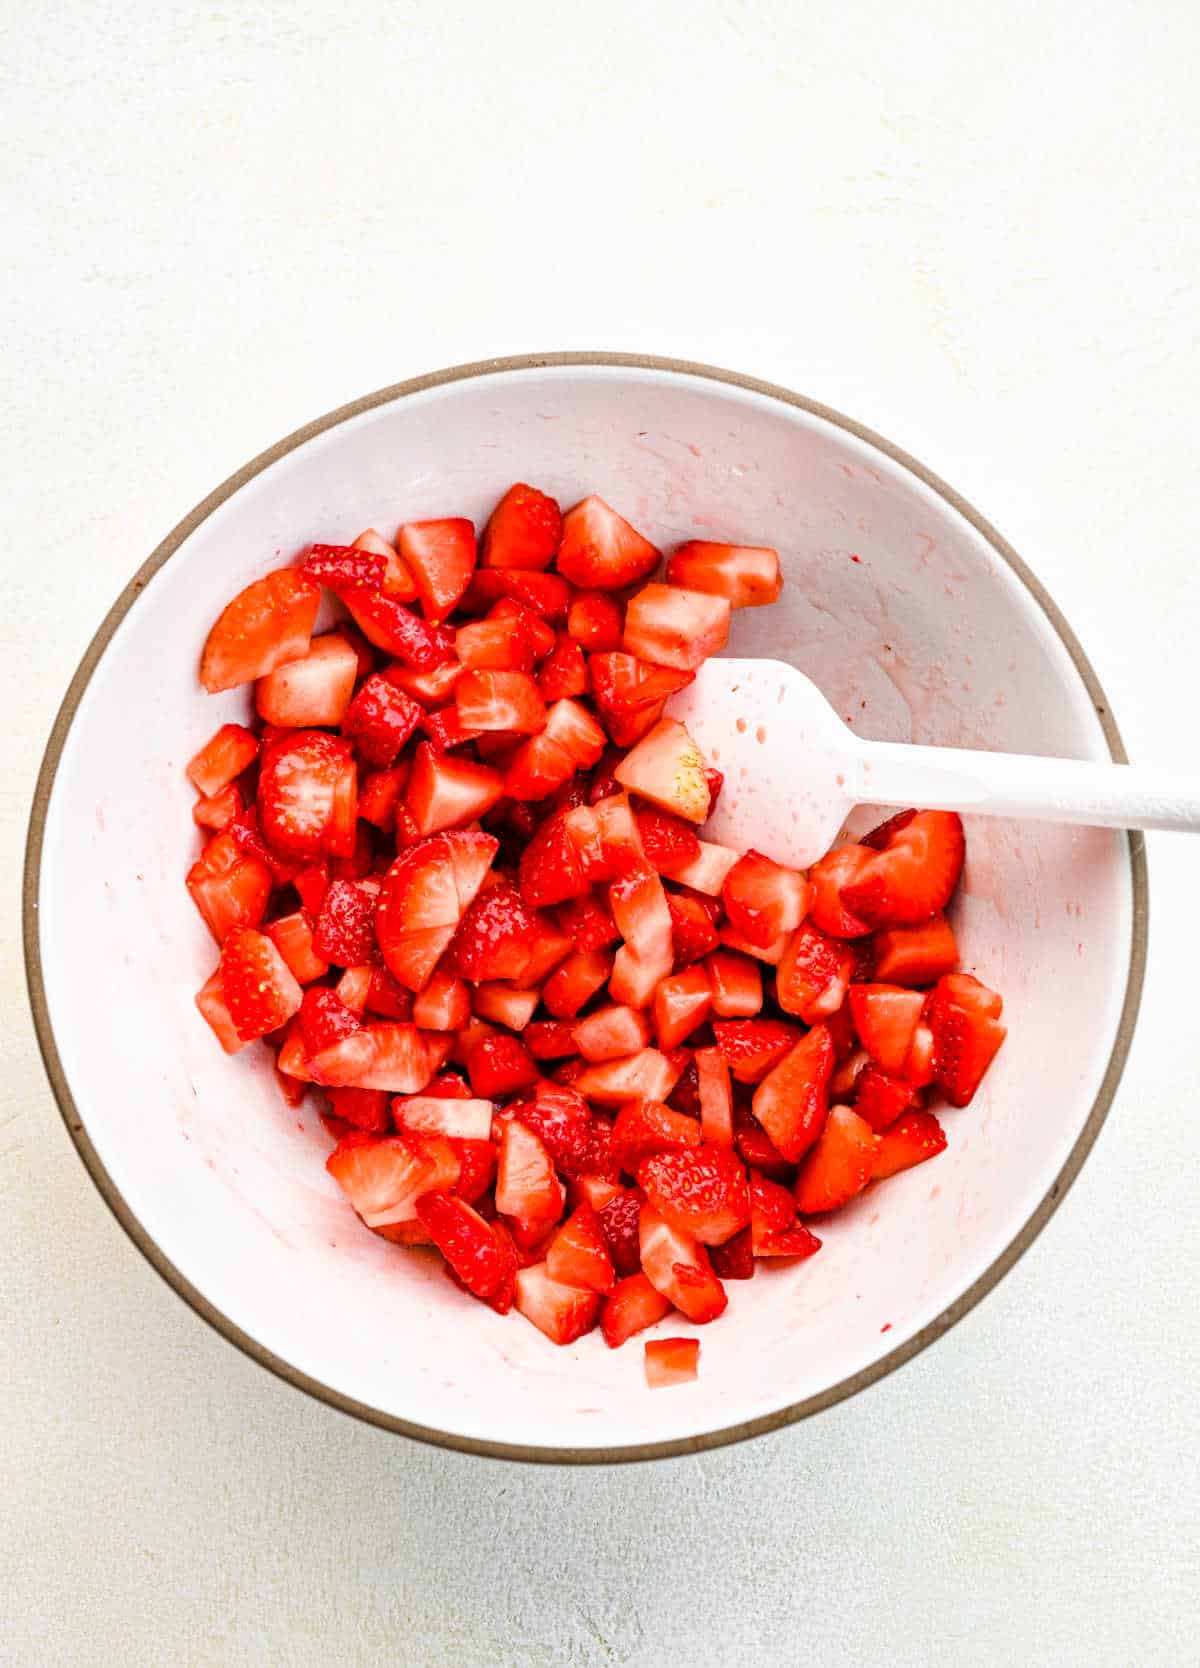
column 1017, row 785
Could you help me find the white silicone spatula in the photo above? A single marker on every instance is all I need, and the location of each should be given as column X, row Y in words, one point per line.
column 794, row 771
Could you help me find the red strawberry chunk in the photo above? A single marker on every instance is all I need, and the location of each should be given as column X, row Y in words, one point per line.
column 230, row 887
column 544, row 594
column 266, row 625
column 839, row 1165
column 600, row 551
column 444, row 792
column 763, row 900
column 440, row 556
column 403, row 1058
column 315, row 689
column 693, row 934
column 307, row 790
column 646, row 1075
column 667, row 840
column 383, row 1179
column 560, row 1118
column 791, row 1101
column 707, row 873
column 523, row 531
column 549, row 1039
column 965, row 1042
column 826, row 908
column 916, row 956
column 618, row 1218
column 912, row 1139
column 913, row 875
column 379, row 795
column 667, row 768
column 346, row 566
column 528, row 1192
column 440, row 1114
column 886, row 1018
column 612, row 1032
column 632, row 1306
column 380, row 719
column 559, row 1311
column 746, row 575
column 507, row 701
column 681, row 1004
column 345, row 930
column 493, row 646
column 292, row 936
column 735, row 1259
column 772, row 1211
column 754, row 1046
column 504, row 1003
column 224, row 755
column 880, row 1099
column 759, row 1152
column 588, row 923
column 813, row 974
column 259, row 988
column 443, row 1005
column 700, row 1189
column 736, row 984
column 365, row 1109
column 716, row 1100
column 210, row 999
column 578, row 1254
column 630, row 694
column 384, row 995
column 575, row 981
column 969, row 993
column 394, row 628
column 564, row 672
column 596, row 621
column 647, row 1126
column 671, row 1361
column 218, row 810
column 500, row 1065
column 671, row 627
column 677, row 1265
column 482, row 1260
column 422, row 898
column 496, row 936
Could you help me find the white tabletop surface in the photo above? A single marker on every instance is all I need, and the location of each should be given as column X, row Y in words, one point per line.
column 972, row 226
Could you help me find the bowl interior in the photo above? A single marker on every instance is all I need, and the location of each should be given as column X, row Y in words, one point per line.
column 901, row 611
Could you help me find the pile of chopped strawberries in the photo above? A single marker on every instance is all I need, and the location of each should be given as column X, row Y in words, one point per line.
column 455, row 874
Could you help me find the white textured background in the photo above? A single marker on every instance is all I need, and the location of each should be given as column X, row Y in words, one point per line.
column 971, row 225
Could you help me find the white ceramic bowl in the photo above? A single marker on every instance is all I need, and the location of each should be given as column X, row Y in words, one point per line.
column 904, row 606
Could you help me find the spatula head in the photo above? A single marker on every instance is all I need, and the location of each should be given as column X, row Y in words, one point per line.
column 790, row 764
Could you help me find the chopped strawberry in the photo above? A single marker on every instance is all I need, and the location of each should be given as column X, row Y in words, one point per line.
column 595, row 621
column 345, row 930
column 259, row 988
column 549, row 1039
column 968, row 992
column 754, row 1046
column 700, row 1189
column 666, row 767
column 482, row 1261
column 670, row 627
column 564, row 671
column 210, row 999
column 549, row 948
column 671, row 1361
column 445, row 729
column 706, row 873
column 384, row 995
column 380, row 719
column 746, row 575
column 916, row 956
column 476, row 1170
column 681, row 1003
column 494, row 646
column 813, row 974
column 404, row 1059
column 608, row 839
column 588, row 923
column 885, row 1018
column 631, row 1306
column 365, row 1109
column 913, row 1138
column 443, row 1005
column 495, row 937
column 760, row 1153
column 382, row 1179
column 772, row 1211
column 764, row 900
column 444, row 792
column 612, row 1033
column 716, row 1101
column 440, row 556
column 397, row 582
column 881, row 1099
column 379, row 795
column 266, row 625
column 507, row 701
column 346, row 566
column 965, row 1042
column 224, row 755
column 571, row 739
column 504, row 1003
column 826, row 908
column 561, row 1312
column 677, row 1265
column 667, row 840
column 544, row 594
column 423, row 897
column 528, row 1192
column 630, row 694
column 560, row 1118
column 839, row 1165
column 912, row 876
column 647, row 1126
column 791, row 1101
column 735, row 1259
column 578, row 1254
column 315, row 689
column 618, row 1217
column 600, row 551
column 523, row 531
column 230, row 887
column 736, row 984
column 292, row 936
column 693, row 934
column 840, row 1024
column 646, row 1075
column 218, row 810
column 639, row 906
column 307, row 789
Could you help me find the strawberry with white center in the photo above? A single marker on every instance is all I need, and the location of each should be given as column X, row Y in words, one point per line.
column 667, row 768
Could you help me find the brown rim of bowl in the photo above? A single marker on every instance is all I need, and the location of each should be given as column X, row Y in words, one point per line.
column 513, row 1451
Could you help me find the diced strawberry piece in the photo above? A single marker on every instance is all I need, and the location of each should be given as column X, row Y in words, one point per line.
column 404, row 1059
column 444, row 792
column 912, row 1139
column 708, row 872
column 754, row 1046
column 366, row 1109
column 496, row 936
column 840, row 1024
column 667, row 840
column 493, row 646
column 394, row 628
column 747, row 575
column 564, row 671
column 560, row 1118
column 646, row 1126
column 476, row 1169
column 259, row 988
column 912, row 876
column 701, row 1190
column 578, row 1254
column 523, row 622
column 968, row 992
column 549, row 948
column 218, row 810
column 432, row 687
column 764, row 900
column 677, row 1265
column 384, row 995
column 716, row 1100
column 507, row 701
column 313, row 690
column 292, row 1059
column 500, row 1065
column 630, row 694
column 544, row 594
column 445, row 729
column 482, row 1261
column 671, row 1361
column 813, row 974
column 639, row 906
column 672, row 627
column 596, row 621
column 693, row 934
column 561, row 1312
column 612, row 1033
column 791, row 1101
column 647, row 1075
column 667, row 768
column 588, row 923
column 735, row 1259
column 772, row 1211
column 916, row 956
column 771, row 953
column 505, row 1004
column 797, row 1241
column 230, row 887
column 549, row 1039
column 266, row 625
column 880, row 1099
column 210, row 999
column 575, row 981
column 443, row 1005
column 440, row 556
column 608, row 838
column 382, row 1179
column 447, row 1085
column 681, row 1003
column 618, row 1217
column 523, row 531
column 224, row 755
column 528, row 1192
column 760, row 1153
column 397, row 582
column 965, row 1042
column 885, row 1017
column 292, row 936
column 325, row 1019
column 380, row 719
column 600, row 551
column 632, row 1306
column 826, row 908
column 736, row 984
column 345, row 930
column 551, row 870
column 347, row 566
column 379, row 795
column 306, row 795
column 839, row 1165
column 571, row 739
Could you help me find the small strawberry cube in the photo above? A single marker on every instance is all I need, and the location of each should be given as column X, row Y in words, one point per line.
column 230, row 887
column 404, row 1059
column 564, row 671
column 493, row 646
column 260, row 990
column 885, row 1019
column 671, row 1361
column 716, row 1099
column 792, row 1100
column 600, row 551
column 912, row 876
column 314, row 690
column 561, row 1312
column 746, row 575
column 670, row 627
column 707, row 872
column 595, row 621
column 307, row 794
column 578, row 1254
column 265, row 626
column 647, row 1126
column 630, row 694
column 210, row 999
column 440, row 556
column 753, row 1046
column 677, row 1265
column 345, row 929
column 667, row 768
column 965, row 1042
column 384, row 1178
column 507, row 701
column 481, row 1259
column 813, row 974
column 544, row 594
column 523, row 531
column 916, row 956
column 575, row 981
column 528, row 1192
column 292, row 936
column 443, row 1005
column 631, row 1306
column 736, row 984
column 681, row 1003
column 764, row 900
column 701, row 1190
column 224, row 755
column 612, row 1033
column 913, row 1138
column 647, row 1075
column 840, row 1164
column 445, row 792
column 380, row 719
column 504, row 1003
